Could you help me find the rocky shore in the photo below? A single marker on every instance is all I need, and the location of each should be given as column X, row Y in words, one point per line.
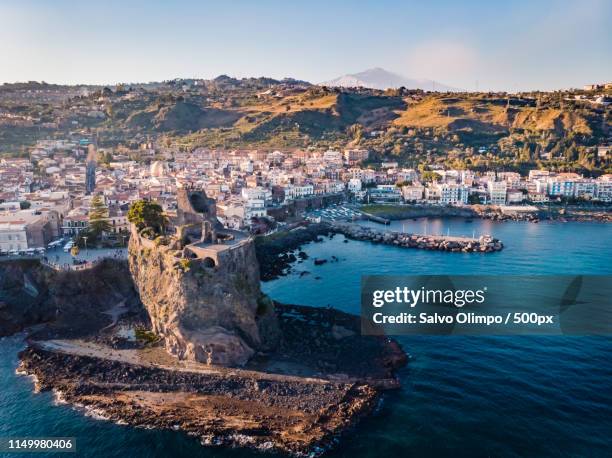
column 69, row 303
column 95, row 350
column 181, row 337
column 297, row 400
column 298, row 417
column 274, row 251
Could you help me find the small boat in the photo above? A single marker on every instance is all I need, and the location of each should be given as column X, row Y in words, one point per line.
column 469, row 220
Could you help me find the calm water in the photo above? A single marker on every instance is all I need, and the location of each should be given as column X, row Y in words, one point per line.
column 460, row 396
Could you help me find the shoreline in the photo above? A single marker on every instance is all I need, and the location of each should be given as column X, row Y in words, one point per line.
column 486, row 212
column 297, row 397
column 297, row 401
column 276, row 252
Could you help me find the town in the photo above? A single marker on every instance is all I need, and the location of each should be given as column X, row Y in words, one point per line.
column 71, row 193
column 306, row 229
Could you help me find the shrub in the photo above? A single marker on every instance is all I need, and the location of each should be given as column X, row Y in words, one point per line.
column 147, row 336
column 184, row 265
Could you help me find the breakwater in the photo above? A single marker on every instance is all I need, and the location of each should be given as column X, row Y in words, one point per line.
column 482, row 244
column 275, row 252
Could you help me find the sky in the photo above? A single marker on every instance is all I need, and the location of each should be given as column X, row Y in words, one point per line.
column 484, row 45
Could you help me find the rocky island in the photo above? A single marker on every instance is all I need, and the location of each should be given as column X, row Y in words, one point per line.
column 181, row 337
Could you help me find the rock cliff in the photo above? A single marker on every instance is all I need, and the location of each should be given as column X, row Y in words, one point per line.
column 208, row 308
column 72, row 303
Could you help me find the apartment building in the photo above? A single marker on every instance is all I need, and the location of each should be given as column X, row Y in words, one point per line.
column 497, row 192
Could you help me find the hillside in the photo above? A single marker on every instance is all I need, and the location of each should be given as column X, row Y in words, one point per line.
column 492, row 115
column 181, row 117
column 410, row 126
column 316, row 114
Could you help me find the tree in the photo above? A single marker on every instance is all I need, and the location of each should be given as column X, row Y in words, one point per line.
column 24, row 205
column 428, row 176
column 98, row 217
column 144, row 213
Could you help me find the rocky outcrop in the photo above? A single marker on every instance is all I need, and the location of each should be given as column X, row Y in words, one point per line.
column 71, row 302
column 23, row 296
column 296, row 416
column 321, row 379
column 207, row 309
column 273, row 252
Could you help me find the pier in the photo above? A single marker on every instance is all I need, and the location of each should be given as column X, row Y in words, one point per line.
column 376, row 219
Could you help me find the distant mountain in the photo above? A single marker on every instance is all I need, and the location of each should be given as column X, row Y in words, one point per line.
column 379, row 78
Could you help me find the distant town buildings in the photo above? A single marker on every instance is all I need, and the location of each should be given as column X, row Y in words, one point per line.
column 49, row 194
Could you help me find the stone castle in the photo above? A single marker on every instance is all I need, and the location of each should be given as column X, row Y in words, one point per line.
column 200, row 286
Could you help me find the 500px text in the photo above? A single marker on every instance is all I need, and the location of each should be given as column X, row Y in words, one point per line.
column 463, row 318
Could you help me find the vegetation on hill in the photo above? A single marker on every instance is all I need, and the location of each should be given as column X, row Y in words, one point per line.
column 180, row 117
column 559, row 130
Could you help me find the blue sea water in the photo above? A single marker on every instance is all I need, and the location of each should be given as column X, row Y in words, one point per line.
column 460, row 396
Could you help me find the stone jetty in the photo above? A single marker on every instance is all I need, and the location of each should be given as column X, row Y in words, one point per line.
column 483, row 244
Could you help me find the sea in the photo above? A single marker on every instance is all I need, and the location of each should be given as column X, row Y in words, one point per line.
column 461, row 396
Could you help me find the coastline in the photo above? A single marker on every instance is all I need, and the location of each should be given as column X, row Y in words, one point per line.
column 496, row 213
column 442, row 374
column 276, row 252
column 298, row 401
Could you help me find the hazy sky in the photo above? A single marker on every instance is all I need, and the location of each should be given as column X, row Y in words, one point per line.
column 516, row 45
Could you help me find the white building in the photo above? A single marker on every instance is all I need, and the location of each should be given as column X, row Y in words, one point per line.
column 332, row 157
column 384, row 193
column 497, row 192
column 604, row 188
column 13, row 236
column 354, row 185
column 298, row 192
column 258, row 193
column 561, row 186
column 585, row 188
column 247, row 166
column 407, row 175
column 254, row 208
column 413, row 193
column 451, row 194
column 515, row 196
